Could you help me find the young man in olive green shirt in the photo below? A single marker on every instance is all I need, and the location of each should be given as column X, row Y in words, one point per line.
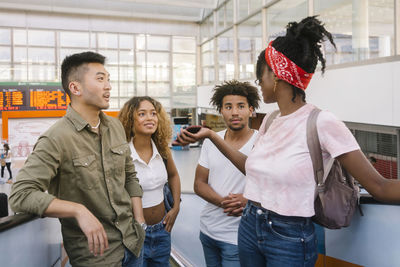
column 84, row 162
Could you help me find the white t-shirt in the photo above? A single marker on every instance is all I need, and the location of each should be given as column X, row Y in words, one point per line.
column 152, row 176
column 224, row 178
column 279, row 171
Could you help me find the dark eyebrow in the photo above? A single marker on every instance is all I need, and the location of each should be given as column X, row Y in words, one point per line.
column 102, row 73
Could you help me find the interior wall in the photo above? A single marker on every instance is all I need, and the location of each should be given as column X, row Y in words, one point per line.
column 43, row 20
column 364, row 94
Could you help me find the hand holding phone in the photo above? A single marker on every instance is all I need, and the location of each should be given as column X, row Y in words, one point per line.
column 191, row 129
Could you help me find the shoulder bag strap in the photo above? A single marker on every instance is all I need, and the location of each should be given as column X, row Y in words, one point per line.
column 271, row 119
column 314, row 146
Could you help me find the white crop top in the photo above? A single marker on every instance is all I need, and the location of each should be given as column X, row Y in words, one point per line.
column 152, row 176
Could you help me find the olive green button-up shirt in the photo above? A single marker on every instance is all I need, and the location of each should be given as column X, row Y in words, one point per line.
column 76, row 164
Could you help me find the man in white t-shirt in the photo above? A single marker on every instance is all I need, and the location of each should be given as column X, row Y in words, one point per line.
column 218, row 181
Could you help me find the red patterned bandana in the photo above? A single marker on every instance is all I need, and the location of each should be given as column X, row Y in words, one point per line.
column 285, row 69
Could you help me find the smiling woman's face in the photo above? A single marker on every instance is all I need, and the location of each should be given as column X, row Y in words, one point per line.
column 145, row 119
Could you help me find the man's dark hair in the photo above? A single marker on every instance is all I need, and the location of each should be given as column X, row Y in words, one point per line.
column 70, row 67
column 235, row 87
column 301, row 44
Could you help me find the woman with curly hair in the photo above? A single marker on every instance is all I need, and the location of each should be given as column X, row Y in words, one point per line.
column 148, row 131
column 276, row 227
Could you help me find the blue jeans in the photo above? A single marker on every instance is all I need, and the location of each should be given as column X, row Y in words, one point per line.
column 218, row 253
column 268, row 239
column 130, row 260
column 157, row 246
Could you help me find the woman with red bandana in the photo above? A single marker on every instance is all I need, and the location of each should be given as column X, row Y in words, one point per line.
column 276, row 228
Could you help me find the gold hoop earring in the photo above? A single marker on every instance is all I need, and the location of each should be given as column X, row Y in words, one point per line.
column 275, row 84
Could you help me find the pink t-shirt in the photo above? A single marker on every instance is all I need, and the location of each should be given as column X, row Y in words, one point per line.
column 279, row 171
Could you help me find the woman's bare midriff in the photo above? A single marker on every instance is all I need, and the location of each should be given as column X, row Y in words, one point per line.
column 154, row 215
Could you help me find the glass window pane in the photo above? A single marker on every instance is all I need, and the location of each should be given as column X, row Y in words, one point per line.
column 229, row 13
column 158, row 43
column 114, row 87
column 249, row 45
column 46, row 38
column 204, row 31
column 126, row 57
column 243, row 8
column 113, row 70
column 140, row 59
column 207, row 53
column 158, row 59
column 21, row 72
column 41, row 55
column 5, row 54
column 141, row 42
column 184, row 101
column 381, row 28
column 158, row 89
column 41, row 73
column 20, row 54
column 157, row 73
column 107, row 40
column 225, row 56
column 141, row 74
column 338, row 21
column 255, row 4
column 280, row 14
column 184, row 44
column 141, row 89
column 69, row 51
column 126, row 41
column 165, row 102
column 208, row 74
column 126, row 89
column 207, row 28
column 126, row 73
column 93, row 38
column 19, row 37
column 123, row 100
column 111, row 56
column 211, row 25
column 74, row 39
column 184, row 73
column 221, row 19
column 5, row 36
column 5, row 72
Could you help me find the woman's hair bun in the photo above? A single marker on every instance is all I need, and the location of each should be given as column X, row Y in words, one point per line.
column 310, row 29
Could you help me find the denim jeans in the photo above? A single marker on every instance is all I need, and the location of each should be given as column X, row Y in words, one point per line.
column 157, row 246
column 218, row 253
column 130, row 260
column 268, row 239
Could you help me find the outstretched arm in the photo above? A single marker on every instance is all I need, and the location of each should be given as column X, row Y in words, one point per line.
column 237, row 158
column 355, row 162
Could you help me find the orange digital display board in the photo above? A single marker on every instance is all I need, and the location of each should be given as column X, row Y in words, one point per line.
column 34, row 96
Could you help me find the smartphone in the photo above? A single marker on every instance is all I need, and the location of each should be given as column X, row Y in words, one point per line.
column 193, row 129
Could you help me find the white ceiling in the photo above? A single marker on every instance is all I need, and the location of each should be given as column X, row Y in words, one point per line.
column 181, row 10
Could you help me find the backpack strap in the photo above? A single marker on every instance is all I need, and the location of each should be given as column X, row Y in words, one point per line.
column 314, row 146
column 270, row 119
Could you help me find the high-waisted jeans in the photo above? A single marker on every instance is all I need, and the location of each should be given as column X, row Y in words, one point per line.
column 157, row 246
column 268, row 239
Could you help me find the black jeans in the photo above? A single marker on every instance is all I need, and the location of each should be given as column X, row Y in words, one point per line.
column 8, row 164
